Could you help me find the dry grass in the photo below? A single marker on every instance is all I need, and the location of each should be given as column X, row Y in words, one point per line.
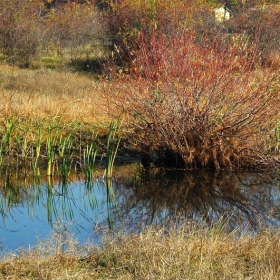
column 43, row 93
column 193, row 252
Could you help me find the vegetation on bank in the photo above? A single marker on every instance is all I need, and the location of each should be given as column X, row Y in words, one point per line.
column 40, row 127
column 200, row 93
column 190, row 252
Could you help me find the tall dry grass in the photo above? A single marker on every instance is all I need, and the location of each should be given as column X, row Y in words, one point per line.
column 43, row 93
column 192, row 252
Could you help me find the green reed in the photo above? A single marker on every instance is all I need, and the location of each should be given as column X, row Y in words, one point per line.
column 3, row 210
column 90, row 198
column 36, row 149
column 60, row 202
column 49, row 201
column 55, row 143
column 10, row 125
column 111, row 203
column 90, row 153
column 113, row 142
column 23, row 147
column 51, row 142
column 65, row 145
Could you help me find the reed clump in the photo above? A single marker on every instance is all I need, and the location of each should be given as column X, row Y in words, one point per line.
column 191, row 252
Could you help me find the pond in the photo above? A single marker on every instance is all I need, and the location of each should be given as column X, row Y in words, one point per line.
column 32, row 208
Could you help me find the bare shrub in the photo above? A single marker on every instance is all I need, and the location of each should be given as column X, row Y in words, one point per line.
column 207, row 103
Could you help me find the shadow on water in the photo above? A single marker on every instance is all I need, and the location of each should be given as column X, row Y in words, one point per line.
column 245, row 200
column 32, row 207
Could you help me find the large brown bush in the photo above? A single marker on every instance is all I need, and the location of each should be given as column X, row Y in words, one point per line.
column 208, row 102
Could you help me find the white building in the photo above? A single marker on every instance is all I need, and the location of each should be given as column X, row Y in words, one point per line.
column 222, row 14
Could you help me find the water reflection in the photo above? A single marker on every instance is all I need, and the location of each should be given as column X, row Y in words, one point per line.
column 31, row 207
column 163, row 196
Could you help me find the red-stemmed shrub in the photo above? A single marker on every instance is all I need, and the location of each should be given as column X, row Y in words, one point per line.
column 207, row 102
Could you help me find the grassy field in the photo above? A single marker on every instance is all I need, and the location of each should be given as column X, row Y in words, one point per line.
column 192, row 252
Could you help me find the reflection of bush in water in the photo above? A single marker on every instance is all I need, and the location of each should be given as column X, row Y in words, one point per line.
column 200, row 194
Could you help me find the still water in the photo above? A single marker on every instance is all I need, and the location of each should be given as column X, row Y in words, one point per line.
column 33, row 208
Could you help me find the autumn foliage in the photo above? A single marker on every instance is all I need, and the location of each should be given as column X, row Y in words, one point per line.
column 126, row 20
